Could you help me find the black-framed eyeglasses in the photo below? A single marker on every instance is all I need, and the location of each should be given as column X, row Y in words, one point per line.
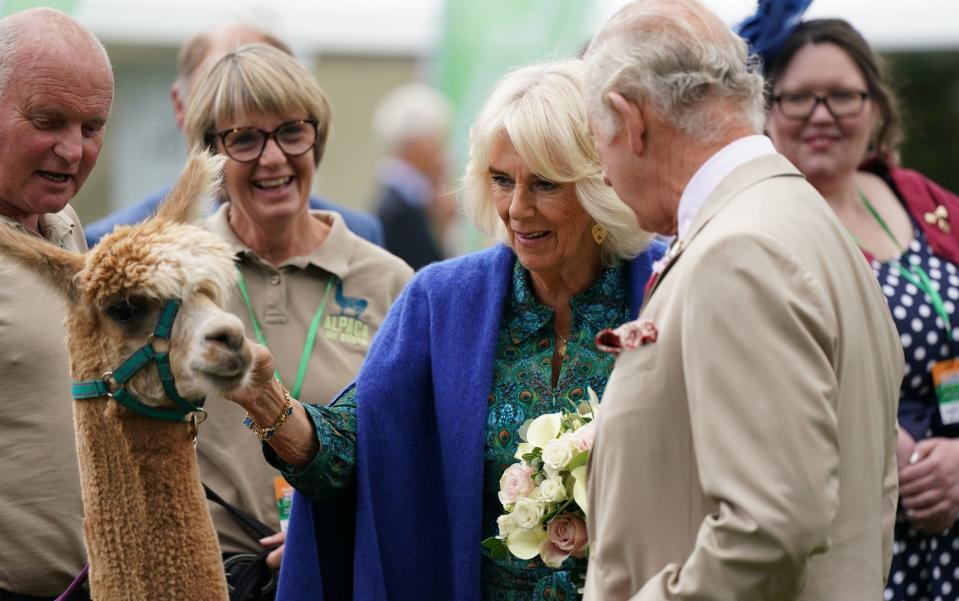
column 246, row 144
column 839, row 103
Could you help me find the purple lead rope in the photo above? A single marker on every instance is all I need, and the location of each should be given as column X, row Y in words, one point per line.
column 75, row 584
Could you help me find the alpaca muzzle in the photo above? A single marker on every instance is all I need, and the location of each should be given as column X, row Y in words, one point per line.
column 155, row 350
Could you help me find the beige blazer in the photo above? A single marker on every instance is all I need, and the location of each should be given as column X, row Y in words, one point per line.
column 749, row 452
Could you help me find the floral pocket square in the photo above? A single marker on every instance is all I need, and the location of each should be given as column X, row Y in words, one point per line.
column 630, row 335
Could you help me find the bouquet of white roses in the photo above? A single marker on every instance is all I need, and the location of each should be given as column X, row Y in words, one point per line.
column 544, row 495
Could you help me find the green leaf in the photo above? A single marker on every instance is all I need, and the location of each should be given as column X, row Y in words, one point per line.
column 497, row 547
column 577, row 461
column 557, row 509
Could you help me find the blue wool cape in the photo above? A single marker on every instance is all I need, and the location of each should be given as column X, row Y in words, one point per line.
column 417, row 500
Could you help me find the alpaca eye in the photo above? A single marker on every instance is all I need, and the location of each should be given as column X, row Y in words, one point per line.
column 126, row 310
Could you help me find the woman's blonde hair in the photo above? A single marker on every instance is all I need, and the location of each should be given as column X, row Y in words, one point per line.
column 255, row 78
column 540, row 109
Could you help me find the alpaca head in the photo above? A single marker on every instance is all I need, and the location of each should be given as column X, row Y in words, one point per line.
column 117, row 292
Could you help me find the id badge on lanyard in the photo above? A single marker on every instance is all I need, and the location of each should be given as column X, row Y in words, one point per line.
column 945, row 374
column 945, row 377
column 283, row 493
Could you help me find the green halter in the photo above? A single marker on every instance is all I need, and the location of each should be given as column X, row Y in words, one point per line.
column 113, row 383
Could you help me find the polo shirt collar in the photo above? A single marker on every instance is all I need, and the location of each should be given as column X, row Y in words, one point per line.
column 54, row 228
column 333, row 255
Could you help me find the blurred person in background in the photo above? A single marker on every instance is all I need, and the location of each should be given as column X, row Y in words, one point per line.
column 834, row 115
column 411, row 124
column 56, row 90
column 309, row 289
column 473, row 348
column 194, row 54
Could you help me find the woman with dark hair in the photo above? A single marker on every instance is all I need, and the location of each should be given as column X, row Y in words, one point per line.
column 835, row 117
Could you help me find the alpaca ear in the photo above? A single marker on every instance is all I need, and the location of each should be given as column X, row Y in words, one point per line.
column 57, row 266
column 199, row 181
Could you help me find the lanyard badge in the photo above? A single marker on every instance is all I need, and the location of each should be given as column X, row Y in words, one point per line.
column 283, row 493
column 945, row 374
column 945, row 377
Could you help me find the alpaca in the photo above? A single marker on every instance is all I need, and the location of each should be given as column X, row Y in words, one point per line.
column 148, row 530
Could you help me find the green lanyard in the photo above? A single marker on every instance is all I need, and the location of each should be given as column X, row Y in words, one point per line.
column 914, row 274
column 310, row 335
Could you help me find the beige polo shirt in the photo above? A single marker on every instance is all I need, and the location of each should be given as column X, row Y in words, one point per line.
column 41, row 529
column 285, row 299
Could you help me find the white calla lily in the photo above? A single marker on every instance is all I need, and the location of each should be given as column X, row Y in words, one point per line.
column 593, row 398
column 543, row 429
column 525, row 543
column 593, row 406
column 579, row 487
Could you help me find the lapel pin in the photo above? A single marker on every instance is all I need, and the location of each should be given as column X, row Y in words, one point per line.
column 939, row 218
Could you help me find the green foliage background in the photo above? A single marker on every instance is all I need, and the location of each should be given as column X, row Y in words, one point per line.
column 927, row 84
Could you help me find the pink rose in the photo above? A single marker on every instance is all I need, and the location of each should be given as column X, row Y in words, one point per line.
column 552, row 555
column 584, row 437
column 516, row 482
column 565, row 535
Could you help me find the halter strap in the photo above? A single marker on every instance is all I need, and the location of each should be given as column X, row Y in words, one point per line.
column 113, row 384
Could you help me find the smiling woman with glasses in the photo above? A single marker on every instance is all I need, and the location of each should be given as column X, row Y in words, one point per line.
column 833, row 115
column 839, row 103
column 246, row 144
column 307, row 288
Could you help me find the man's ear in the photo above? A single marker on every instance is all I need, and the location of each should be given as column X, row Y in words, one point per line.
column 179, row 104
column 632, row 119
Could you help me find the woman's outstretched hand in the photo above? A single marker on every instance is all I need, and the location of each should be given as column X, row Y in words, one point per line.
column 265, row 400
column 261, row 380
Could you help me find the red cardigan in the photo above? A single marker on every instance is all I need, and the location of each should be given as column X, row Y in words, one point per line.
column 923, row 196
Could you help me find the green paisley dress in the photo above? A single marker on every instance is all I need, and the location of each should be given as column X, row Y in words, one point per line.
column 521, row 390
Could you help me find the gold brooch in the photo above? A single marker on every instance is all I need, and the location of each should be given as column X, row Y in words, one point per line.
column 939, row 217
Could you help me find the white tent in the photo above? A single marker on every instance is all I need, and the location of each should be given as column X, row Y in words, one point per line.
column 411, row 26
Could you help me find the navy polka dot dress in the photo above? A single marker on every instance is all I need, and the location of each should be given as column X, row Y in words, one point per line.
column 924, row 567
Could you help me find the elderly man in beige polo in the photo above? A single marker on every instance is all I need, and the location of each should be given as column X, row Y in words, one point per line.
column 56, row 89
column 746, row 448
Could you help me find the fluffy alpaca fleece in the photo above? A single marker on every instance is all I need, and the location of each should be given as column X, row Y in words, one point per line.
column 148, row 530
column 160, row 260
column 149, row 533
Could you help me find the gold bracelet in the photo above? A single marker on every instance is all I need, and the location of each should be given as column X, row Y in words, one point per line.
column 267, row 433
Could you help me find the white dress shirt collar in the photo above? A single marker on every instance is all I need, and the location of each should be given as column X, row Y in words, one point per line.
column 712, row 172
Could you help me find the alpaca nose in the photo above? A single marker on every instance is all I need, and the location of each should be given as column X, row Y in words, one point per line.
column 228, row 336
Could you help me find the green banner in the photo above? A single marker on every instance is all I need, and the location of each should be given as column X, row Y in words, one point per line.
column 8, row 7
column 482, row 40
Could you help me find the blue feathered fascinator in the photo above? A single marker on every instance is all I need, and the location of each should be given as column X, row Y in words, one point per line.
column 768, row 29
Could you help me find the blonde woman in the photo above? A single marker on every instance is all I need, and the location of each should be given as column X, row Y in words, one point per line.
column 473, row 348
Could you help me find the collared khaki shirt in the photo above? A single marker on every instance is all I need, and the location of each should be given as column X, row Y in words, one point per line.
column 41, row 515
column 355, row 282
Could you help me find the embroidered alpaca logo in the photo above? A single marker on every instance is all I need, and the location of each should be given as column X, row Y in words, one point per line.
column 349, row 304
column 347, row 327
